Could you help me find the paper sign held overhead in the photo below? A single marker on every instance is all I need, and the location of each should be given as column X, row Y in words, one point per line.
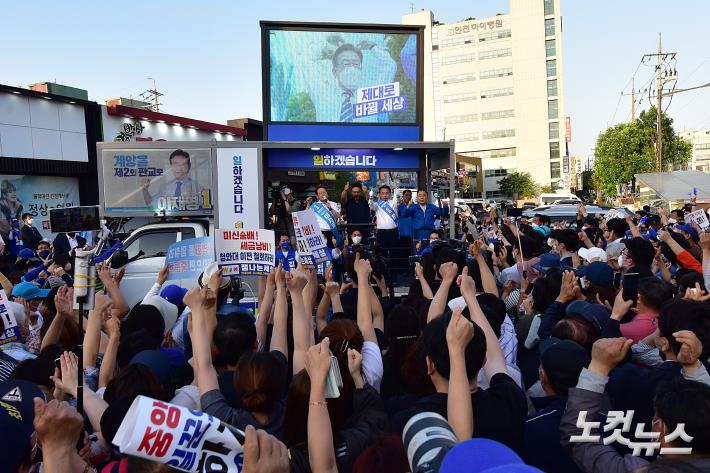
column 309, row 238
column 242, row 252
column 189, row 258
column 700, row 218
column 10, row 330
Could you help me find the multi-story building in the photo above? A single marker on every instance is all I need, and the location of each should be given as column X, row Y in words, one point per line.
column 495, row 86
column 700, row 160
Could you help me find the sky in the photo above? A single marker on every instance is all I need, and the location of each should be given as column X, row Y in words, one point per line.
column 205, row 56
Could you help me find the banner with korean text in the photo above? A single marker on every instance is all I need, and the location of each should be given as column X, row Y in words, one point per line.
column 309, row 238
column 10, row 329
column 189, row 258
column 180, row 437
column 239, row 188
column 242, row 252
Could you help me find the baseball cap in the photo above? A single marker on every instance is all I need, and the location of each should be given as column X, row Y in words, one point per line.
column 562, row 361
column 547, row 262
column 592, row 253
column 166, row 309
column 544, row 230
column 173, row 294
column 596, row 314
column 212, row 268
column 598, row 273
column 29, row 291
column 688, row 229
column 26, row 253
column 17, row 415
column 55, row 281
column 157, row 361
column 482, row 455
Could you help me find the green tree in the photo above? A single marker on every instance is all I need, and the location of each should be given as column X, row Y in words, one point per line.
column 546, row 189
column 518, row 185
column 627, row 149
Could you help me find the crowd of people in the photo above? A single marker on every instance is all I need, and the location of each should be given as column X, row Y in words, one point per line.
column 577, row 346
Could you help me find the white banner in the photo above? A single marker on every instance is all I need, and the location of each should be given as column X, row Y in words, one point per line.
column 239, row 188
column 180, row 437
column 700, row 218
column 245, row 252
column 309, row 238
column 10, row 331
column 613, row 213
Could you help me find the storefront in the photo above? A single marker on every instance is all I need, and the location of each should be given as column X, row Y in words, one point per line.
column 47, row 154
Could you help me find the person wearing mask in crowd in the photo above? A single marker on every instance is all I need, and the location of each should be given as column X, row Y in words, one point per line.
column 44, row 249
column 285, row 255
column 328, row 213
column 615, row 231
column 565, row 243
column 637, row 257
column 29, row 233
column 356, row 207
column 353, row 242
column 424, row 214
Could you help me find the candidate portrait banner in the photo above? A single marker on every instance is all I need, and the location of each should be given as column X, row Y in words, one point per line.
column 309, row 239
column 166, row 181
column 180, row 437
column 10, row 329
column 189, row 258
column 242, row 252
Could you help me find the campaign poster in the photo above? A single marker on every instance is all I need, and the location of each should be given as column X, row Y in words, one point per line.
column 180, row 437
column 167, row 181
column 700, row 218
column 35, row 195
column 9, row 331
column 319, row 76
column 239, row 188
column 242, row 252
column 309, row 239
column 187, row 259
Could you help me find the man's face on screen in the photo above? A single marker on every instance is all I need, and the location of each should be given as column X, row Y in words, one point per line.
column 179, row 167
column 348, row 70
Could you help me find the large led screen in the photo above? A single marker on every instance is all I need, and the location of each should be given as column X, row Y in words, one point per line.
column 342, row 77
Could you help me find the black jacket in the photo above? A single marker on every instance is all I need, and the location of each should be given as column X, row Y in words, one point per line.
column 30, row 237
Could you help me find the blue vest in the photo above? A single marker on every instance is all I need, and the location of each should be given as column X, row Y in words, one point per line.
column 288, row 261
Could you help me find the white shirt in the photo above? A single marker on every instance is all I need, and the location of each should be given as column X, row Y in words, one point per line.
column 384, row 221
column 72, row 242
column 372, row 365
column 324, row 227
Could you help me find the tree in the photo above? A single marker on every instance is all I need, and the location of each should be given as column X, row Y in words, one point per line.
column 518, row 185
column 546, row 189
column 627, row 149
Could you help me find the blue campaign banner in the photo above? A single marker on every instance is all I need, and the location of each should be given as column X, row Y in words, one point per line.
column 332, row 158
column 188, row 258
column 367, row 133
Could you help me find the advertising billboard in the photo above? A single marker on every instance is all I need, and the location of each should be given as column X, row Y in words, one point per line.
column 334, row 158
column 341, row 74
column 165, row 181
column 239, row 187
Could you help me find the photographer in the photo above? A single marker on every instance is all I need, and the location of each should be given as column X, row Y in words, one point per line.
column 283, row 204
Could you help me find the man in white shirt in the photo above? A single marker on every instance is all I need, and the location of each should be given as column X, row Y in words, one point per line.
column 327, row 213
column 387, row 218
column 181, row 191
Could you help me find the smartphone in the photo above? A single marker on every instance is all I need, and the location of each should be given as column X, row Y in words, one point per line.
column 631, row 284
column 75, row 219
column 617, row 280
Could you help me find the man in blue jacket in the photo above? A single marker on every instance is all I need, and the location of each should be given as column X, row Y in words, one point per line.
column 423, row 215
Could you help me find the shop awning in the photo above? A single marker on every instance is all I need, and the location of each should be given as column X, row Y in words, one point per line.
column 141, row 114
column 677, row 185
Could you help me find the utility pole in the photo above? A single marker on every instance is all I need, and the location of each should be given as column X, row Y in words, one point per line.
column 152, row 95
column 633, row 100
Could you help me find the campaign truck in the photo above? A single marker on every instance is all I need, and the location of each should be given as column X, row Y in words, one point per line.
column 162, row 194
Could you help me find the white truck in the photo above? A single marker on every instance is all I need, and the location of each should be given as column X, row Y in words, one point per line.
column 220, row 186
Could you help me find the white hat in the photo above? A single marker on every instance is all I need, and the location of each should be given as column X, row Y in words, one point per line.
column 168, row 310
column 592, row 254
column 212, row 268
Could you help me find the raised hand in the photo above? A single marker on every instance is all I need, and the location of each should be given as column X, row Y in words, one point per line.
column 67, row 379
column 163, row 275
column 449, row 271
column 690, row 350
column 296, row 281
column 466, row 283
column 607, row 353
column 569, row 288
column 362, row 266
column 696, row 294
column 459, row 332
column 318, row 361
column 64, row 301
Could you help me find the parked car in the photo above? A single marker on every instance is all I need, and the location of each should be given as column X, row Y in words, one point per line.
column 529, row 205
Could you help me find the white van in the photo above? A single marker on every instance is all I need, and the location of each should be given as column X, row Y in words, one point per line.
column 548, row 199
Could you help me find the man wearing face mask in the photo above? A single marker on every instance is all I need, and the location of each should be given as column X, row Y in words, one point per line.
column 286, row 255
column 30, row 235
column 65, row 243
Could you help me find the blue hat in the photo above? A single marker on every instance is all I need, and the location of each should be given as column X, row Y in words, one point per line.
column 173, row 294
column 26, row 253
column 688, row 229
column 29, row 291
column 17, row 414
column 596, row 314
column 482, row 455
column 547, row 262
column 598, row 273
column 543, row 229
column 157, row 361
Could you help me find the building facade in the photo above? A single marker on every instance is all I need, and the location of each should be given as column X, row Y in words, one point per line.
column 700, row 159
column 495, row 85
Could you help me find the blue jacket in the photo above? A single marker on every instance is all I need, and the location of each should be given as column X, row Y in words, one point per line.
column 423, row 222
column 404, row 224
column 288, row 262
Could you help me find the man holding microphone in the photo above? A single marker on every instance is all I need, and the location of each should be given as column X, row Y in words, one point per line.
column 327, row 212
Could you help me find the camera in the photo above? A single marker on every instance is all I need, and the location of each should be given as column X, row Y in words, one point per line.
column 427, row 438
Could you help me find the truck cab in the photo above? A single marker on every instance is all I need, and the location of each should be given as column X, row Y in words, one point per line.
column 143, row 254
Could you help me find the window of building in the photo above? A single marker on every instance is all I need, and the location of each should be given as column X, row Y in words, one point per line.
column 555, row 150
column 550, row 27
column 550, row 47
column 465, row 137
column 555, row 170
column 460, row 78
column 552, row 88
column 487, row 94
column 460, row 97
column 458, row 41
column 492, row 153
column 458, row 59
column 472, row 117
column 491, row 73
column 554, row 130
column 549, row 7
column 698, row 147
column 552, row 109
column 552, row 68
column 493, row 35
column 493, row 134
column 497, row 114
column 493, row 53
column 495, row 173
